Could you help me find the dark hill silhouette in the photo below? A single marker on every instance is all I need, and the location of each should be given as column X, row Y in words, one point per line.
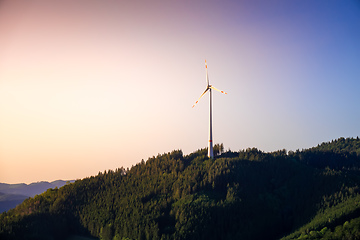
column 250, row 194
column 8, row 201
column 13, row 194
column 31, row 189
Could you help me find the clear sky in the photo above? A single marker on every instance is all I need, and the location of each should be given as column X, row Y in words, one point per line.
column 90, row 85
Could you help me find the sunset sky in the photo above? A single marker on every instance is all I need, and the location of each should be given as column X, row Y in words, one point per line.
column 90, row 85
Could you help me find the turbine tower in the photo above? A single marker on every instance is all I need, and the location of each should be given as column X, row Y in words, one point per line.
column 209, row 88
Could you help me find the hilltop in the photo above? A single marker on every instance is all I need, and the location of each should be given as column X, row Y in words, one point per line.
column 249, row 194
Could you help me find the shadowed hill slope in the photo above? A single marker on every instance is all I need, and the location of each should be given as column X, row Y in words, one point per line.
column 32, row 189
column 13, row 194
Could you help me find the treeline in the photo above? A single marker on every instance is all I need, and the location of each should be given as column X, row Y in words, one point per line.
column 248, row 194
column 340, row 154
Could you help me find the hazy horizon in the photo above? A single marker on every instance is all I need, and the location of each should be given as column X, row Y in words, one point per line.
column 87, row 86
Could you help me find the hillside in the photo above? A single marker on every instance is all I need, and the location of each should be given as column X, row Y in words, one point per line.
column 13, row 194
column 31, row 189
column 8, row 201
column 249, row 194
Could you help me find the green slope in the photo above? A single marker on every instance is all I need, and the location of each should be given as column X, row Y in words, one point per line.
column 239, row 195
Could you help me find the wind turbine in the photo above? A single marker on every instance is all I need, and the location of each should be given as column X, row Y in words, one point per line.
column 209, row 88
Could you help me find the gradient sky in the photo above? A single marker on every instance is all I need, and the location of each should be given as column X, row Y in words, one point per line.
column 87, row 85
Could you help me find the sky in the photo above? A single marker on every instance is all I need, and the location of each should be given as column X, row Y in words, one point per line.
column 90, row 85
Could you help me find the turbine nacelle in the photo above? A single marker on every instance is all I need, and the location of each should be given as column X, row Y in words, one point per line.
column 208, row 88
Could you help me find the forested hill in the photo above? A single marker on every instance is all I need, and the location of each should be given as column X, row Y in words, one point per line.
column 250, row 194
column 341, row 145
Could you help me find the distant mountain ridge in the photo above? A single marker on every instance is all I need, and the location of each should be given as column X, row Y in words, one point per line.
column 14, row 194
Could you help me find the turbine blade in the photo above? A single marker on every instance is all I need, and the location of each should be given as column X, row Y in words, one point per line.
column 212, row 87
column 201, row 96
column 207, row 75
